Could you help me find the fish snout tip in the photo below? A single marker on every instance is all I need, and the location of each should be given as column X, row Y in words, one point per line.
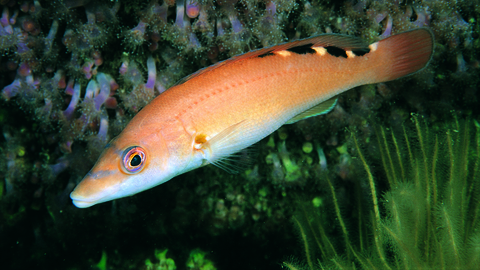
column 79, row 200
column 82, row 204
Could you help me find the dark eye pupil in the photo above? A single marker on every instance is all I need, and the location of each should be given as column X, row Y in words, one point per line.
column 136, row 160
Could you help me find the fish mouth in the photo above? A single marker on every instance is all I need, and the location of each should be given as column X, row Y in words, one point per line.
column 82, row 203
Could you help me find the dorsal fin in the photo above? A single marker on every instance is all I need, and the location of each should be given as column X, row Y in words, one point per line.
column 322, row 108
column 302, row 46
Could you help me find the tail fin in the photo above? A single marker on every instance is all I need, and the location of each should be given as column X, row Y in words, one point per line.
column 404, row 54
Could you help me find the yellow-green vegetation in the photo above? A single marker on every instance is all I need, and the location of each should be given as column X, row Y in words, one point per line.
column 102, row 264
column 198, row 261
column 164, row 263
column 414, row 205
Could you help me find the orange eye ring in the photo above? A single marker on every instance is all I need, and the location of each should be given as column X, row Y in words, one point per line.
column 134, row 159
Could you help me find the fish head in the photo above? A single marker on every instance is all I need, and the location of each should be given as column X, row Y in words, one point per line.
column 124, row 168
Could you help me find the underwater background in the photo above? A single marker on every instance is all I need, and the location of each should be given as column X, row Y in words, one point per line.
column 389, row 179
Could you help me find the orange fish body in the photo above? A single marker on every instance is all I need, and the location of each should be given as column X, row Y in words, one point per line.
column 227, row 107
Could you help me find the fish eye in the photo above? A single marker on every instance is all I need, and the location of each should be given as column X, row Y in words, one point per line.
column 134, row 159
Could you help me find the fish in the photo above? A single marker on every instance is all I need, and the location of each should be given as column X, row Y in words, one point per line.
column 211, row 115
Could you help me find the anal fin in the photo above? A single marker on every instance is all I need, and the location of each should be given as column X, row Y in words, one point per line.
column 322, row 108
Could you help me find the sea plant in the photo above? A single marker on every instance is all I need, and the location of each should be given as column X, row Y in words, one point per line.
column 414, row 204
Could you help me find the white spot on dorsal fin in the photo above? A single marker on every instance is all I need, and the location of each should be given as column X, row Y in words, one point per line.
column 283, row 53
column 350, row 54
column 373, row 46
column 320, row 50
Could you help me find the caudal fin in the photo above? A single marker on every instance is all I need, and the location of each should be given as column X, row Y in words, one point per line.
column 404, row 53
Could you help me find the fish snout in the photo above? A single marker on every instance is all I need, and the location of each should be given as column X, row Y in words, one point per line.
column 96, row 187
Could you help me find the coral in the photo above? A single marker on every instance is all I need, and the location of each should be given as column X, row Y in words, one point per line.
column 136, row 36
column 141, row 94
column 419, row 211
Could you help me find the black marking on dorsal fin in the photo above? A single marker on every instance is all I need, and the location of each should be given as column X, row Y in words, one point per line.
column 266, row 54
column 361, row 52
column 302, row 49
column 336, row 51
column 342, row 42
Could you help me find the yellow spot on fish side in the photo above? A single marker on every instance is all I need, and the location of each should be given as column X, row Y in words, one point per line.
column 320, row 50
column 201, row 138
column 284, row 53
column 350, row 54
column 200, row 141
column 373, row 47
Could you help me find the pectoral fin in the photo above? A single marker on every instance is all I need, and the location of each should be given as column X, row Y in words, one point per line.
column 229, row 150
